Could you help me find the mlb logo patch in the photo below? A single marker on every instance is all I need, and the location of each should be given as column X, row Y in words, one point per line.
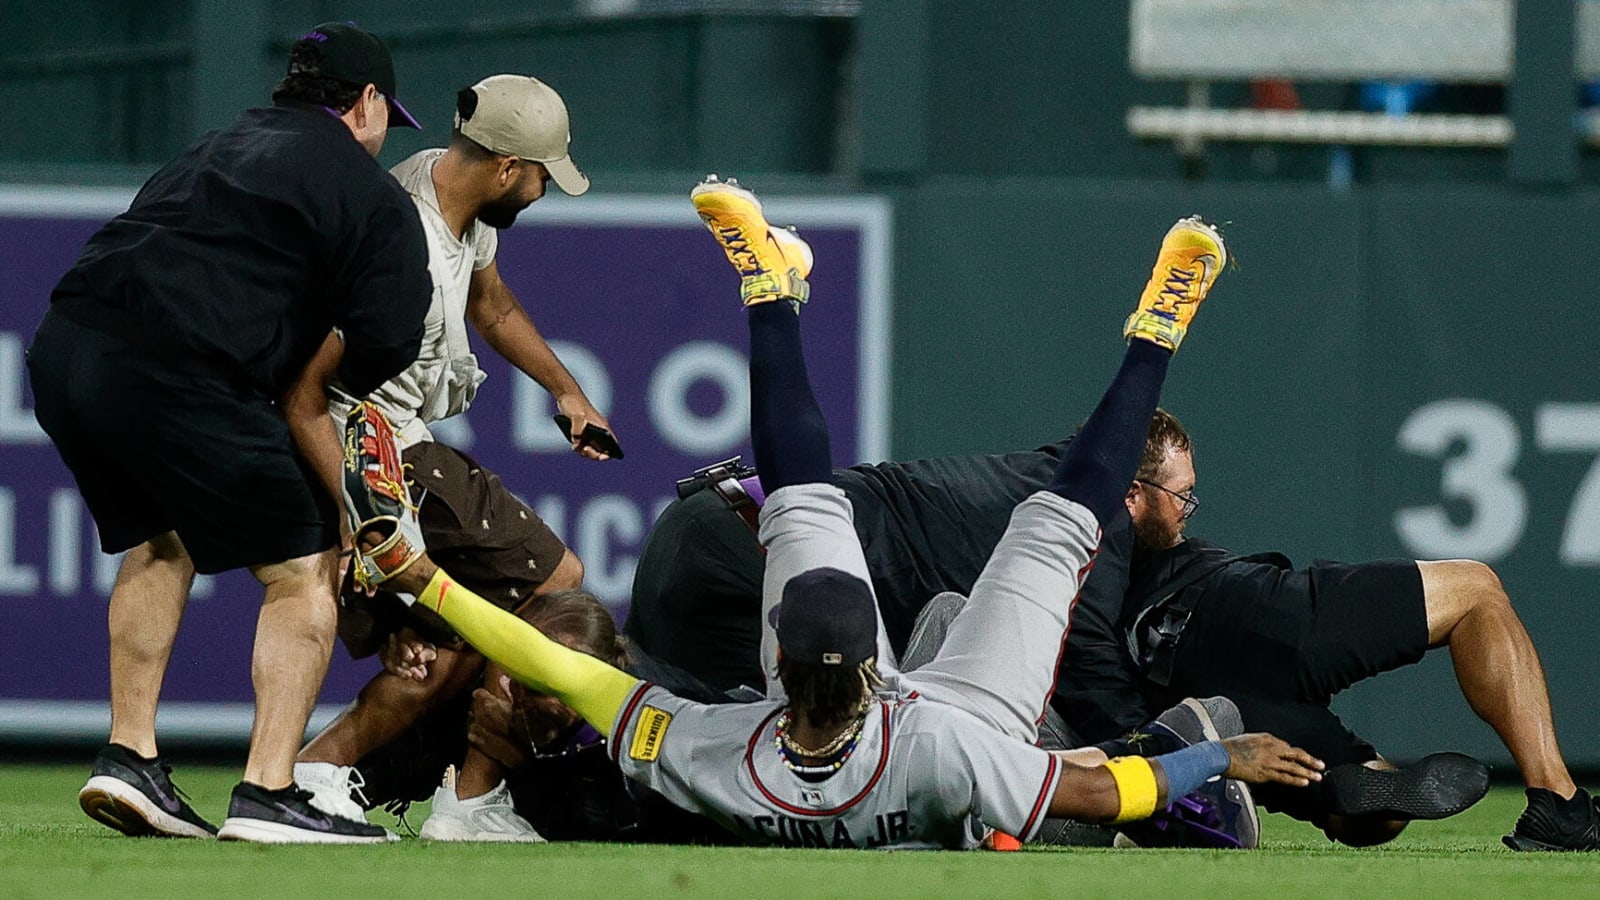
column 812, row 797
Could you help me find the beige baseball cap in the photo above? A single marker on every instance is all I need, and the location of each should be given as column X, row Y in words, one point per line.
column 524, row 117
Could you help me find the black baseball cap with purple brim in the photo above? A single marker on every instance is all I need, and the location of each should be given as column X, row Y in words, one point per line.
column 827, row 617
column 343, row 52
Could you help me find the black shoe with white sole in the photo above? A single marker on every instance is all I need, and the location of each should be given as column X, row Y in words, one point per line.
column 1434, row 787
column 286, row 816
column 136, row 796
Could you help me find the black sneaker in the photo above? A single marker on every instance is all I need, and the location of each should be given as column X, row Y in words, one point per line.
column 136, row 796
column 1435, row 787
column 1550, row 823
column 287, row 817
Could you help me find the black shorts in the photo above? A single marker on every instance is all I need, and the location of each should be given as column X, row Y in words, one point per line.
column 1281, row 643
column 475, row 529
column 696, row 601
column 156, row 448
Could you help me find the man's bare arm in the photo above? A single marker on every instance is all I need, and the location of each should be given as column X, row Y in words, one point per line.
column 1095, row 794
column 499, row 316
column 305, row 407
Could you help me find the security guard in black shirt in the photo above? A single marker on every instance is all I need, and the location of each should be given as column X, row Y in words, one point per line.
column 157, row 372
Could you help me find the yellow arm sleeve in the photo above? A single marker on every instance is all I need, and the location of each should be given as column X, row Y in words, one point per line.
column 594, row 689
column 1136, row 787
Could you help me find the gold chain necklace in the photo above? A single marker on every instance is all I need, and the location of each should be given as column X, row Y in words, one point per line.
column 843, row 738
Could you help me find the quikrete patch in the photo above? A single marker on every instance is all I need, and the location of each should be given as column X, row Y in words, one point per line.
column 649, row 733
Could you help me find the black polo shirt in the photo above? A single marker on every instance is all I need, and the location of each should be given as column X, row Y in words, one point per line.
column 238, row 257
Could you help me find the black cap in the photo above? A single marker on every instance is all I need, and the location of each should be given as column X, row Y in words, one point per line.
column 827, row 617
column 343, row 52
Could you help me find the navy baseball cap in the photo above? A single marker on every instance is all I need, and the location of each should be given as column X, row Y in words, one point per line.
column 827, row 617
column 343, row 52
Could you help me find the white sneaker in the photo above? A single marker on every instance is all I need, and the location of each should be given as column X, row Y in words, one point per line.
column 332, row 788
column 490, row 817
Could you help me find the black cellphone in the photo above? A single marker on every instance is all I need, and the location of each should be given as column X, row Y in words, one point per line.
column 599, row 438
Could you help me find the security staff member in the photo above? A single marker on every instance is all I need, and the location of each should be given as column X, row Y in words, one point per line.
column 156, row 373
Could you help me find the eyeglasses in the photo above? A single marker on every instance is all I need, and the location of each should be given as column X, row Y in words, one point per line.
column 1187, row 498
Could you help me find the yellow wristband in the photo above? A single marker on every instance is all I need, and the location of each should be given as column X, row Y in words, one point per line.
column 1136, row 787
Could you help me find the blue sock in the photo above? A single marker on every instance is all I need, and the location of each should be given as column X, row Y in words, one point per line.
column 1191, row 767
column 787, row 431
column 1098, row 466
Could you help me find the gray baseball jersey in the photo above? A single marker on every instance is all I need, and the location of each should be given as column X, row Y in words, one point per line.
column 949, row 747
column 999, row 657
column 922, row 776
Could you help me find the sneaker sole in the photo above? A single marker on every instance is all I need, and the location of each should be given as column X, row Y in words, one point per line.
column 449, row 835
column 1250, row 829
column 1528, row 845
column 1437, row 787
column 1207, row 727
column 261, row 831
column 716, row 189
column 117, row 804
column 482, row 838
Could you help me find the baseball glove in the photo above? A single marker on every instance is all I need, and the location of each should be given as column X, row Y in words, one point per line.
column 376, row 497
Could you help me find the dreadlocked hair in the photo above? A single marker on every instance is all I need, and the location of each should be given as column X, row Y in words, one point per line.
column 828, row 695
column 575, row 618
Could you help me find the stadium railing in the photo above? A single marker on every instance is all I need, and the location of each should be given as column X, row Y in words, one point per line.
column 1201, row 42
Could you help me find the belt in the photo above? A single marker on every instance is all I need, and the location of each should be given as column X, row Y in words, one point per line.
column 744, row 496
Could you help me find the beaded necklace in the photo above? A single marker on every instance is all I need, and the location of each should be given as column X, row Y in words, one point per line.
column 834, row 753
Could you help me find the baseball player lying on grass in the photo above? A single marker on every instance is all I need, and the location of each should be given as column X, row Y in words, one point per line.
column 841, row 753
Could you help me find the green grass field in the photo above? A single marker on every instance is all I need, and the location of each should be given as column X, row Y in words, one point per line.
column 50, row 849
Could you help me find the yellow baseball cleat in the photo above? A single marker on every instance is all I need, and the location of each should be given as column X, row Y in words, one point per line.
column 772, row 262
column 1192, row 255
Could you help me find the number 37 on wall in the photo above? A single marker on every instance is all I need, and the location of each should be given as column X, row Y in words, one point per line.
column 1479, row 445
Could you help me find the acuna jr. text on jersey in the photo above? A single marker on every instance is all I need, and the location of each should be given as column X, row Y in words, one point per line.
column 890, row 828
